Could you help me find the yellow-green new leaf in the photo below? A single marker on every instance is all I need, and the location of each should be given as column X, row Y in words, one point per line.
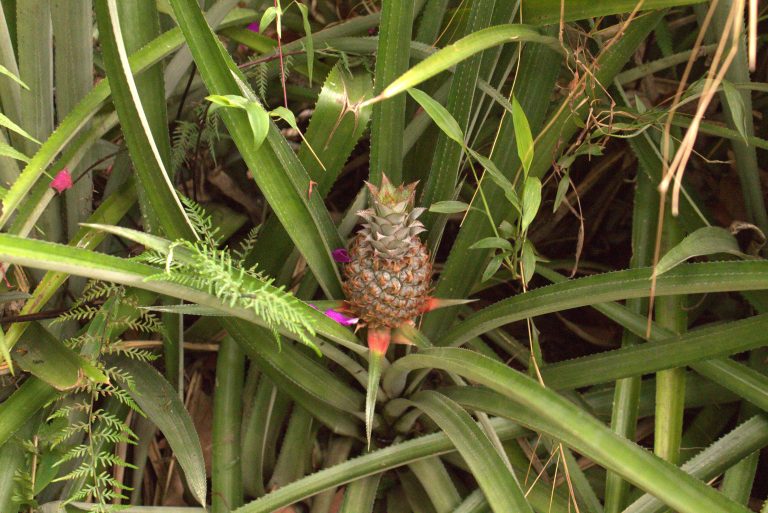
column 531, row 201
column 6, row 150
column 465, row 48
column 439, row 115
column 523, row 137
column 709, row 240
column 6, row 122
column 5, row 71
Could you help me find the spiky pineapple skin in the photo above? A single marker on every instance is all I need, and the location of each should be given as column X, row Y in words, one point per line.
column 387, row 292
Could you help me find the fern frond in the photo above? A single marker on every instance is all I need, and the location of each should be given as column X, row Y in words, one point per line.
column 201, row 222
column 182, row 143
column 78, row 451
column 81, row 313
column 261, row 75
column 215, row 271
column 247, row 244
column 134, row 353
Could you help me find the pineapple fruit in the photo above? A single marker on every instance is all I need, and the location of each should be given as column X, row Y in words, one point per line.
column 387, row 276
column 386, row 281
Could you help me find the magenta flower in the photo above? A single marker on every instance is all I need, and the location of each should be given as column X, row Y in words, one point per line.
column 254, row 27
column 341, row 318
column 341, row 255
column 62, row 181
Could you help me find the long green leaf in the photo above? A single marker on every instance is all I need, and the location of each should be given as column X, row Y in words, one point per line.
column 55, row 257
column 369, row 464
column 499, row 485
column 226, row 473
column 732, row 448
column 464, row 49
column 30, row 397
column 161, row 403
column 545, row 12
column 360, row 495
column 73, row 75
column 684, row 279
column 146, row 157
column 543, row 409
column 389, row 119
column 701, row 344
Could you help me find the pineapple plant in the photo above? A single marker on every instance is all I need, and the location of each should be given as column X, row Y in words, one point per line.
column 386, row 280
column 387, row 275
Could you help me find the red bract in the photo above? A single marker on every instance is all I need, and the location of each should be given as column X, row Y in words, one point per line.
column 62, row 181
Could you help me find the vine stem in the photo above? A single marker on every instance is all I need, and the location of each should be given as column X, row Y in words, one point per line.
column 280, row 52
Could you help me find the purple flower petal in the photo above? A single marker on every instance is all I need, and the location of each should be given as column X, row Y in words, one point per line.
column 341, row 318
column 254, row 27
column 341, row 255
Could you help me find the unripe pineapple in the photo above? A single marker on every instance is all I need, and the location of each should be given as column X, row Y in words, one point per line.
column 387, row 277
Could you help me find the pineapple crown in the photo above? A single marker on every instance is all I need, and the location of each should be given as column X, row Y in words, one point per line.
column 392, row 196
column 392, row 220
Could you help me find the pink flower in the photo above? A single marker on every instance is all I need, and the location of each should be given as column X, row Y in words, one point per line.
column 341, row 318
column 254, row 27
column 341, row 255
column 62, row 181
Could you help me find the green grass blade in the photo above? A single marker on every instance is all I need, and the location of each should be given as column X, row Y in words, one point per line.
column 748, row 383
column 43, row 355
column 440, row 183
column 10, row 90
column 374, row 374
column 12, row 457
column 545, row 410
column 499, row 485
column 10, row 96
column 627, row 392
column 745, row 154
column 334, row 130
column 35, row 49
column 296, row 449
column 30, row 397
column 437, row 484
column 280, row 175
column 670, row 313
column 182, row 61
